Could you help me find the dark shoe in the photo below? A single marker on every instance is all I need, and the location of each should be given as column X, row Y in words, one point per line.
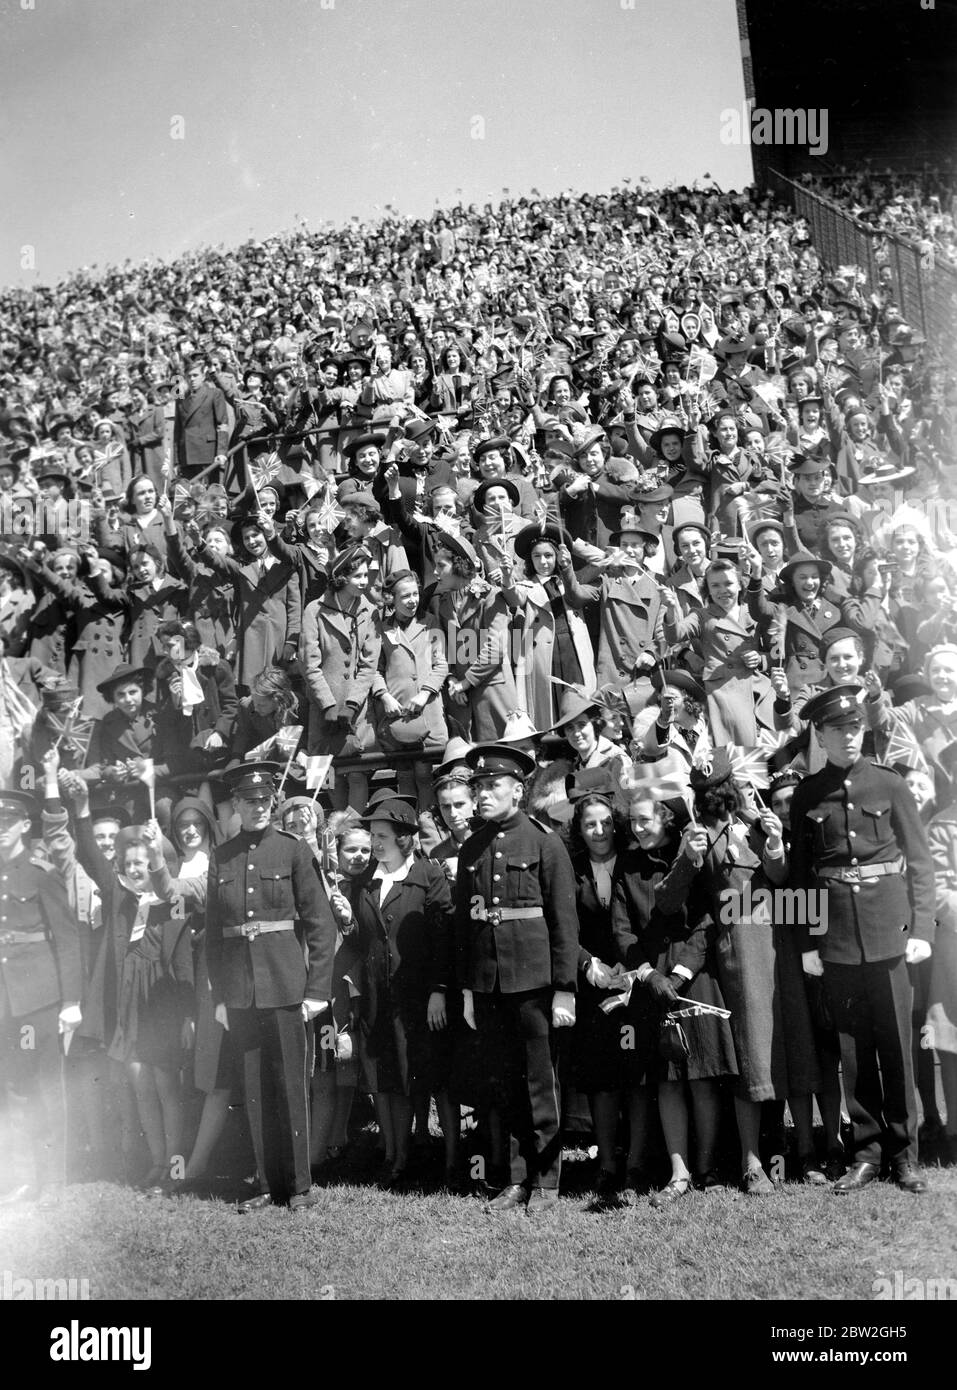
column 454, row 1183
column 543, row 1201
column 855, row 1178
column 834, row 1166
column 512, row 1198
column 908, row 1178
column 637, row 1185
column 251, row 1205
column 398, row 1180
column 303, row 1201
column 812, row 1172
column 678, row 1187
column 756, row 1183
column 606, row 1186
column 708, row 1180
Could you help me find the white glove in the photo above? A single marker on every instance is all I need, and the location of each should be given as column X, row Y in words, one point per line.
column 563, row 1009
column 811, row 960
column 468, row 1007
column 312, row 1008
column 221, row 1016
column 599, row 974
column 70, row 1018
column 916, row 950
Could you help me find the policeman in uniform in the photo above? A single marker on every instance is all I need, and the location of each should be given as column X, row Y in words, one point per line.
column 40, row 983
column 517, row 946
column 270, row 938
column 857, row 835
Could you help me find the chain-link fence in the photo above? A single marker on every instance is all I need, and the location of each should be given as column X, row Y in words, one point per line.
column 926, row 292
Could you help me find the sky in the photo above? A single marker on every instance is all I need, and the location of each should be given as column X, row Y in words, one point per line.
column 146, row 128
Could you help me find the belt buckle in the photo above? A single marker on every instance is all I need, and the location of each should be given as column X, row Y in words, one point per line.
column 495, row 917
column 251, row 930
column 852, row 873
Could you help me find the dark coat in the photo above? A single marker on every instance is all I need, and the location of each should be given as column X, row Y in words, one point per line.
column 407, row 943
column 268, row 877
column 201, row 430
column 516, row 863
column 181, row 739
column 36, row 974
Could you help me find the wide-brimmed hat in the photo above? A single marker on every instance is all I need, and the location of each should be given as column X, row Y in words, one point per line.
column 666, row 427
column 573, row 704
column 362, row 440
column 123, row 675
column 886, row 472
column 530, row 536
column 479, row 495
column 804, row 557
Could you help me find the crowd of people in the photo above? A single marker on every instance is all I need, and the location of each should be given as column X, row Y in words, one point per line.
column 507, row 660
column 918, row 208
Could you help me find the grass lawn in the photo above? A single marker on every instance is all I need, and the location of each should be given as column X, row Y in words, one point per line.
column 364, row 1243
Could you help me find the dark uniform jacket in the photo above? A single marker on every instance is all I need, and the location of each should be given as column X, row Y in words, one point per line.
column 516, row 863
column 200, row 430
column 34, row 975
column 851, row 817
column 268, row 876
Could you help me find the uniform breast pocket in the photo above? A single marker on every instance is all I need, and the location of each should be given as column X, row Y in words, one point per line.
column 25, row 914
column 824, row 830
column 523, row 886
column 277, row 890
column 877, row 819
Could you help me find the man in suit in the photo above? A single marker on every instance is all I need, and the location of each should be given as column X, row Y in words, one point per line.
column 517, row 946
column 856, row 834
column 265, row 907
column 40, row 984
column 201, row 428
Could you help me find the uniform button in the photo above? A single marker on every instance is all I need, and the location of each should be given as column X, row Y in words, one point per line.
column 495, row 900
column 847, row 786
column 498, row 854
column 850, row 805
column 389, row 917
column 500, row 835
column 250, row 913
column 855, row 862
column 852, row 834
column 250, row 866
column 250, row 890
column 855, row 887
column 496, row 878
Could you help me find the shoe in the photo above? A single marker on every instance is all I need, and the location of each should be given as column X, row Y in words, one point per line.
column 756, row 1183
column 855, row 1178
column 708, row 1180
column 303, row 1201
column 606, row 1185
column 812, row 1172
column 543, row 1201
column 908, row 1178
column 637, row 1184
column 454, row 1183
column 260, row 1202
column 834, row 1166
column 678, row 1187
column 511, row 1198
column 397, row 1180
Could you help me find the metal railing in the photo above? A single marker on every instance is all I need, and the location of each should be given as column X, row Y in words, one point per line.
column 925, row 292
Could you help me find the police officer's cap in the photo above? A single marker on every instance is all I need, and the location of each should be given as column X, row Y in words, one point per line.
column 249, row 779
column 18, row 803
column 499, row 760
column 839, row 705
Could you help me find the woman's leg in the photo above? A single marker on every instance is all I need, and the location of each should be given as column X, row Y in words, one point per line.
column 748, row 1115
column 401, row 1108
column 801, row 1114
column 422, row 1106
column 383, row 1113
column 673, row 1109
column 450, row 1119
column 948, row 1077
column 637, row 1126
column 706, row 1105
column 323, row 1114
column 212, row 1122
column 170, row 1094
column 345, row 1095
column 605, row 1107
column 149, row 1109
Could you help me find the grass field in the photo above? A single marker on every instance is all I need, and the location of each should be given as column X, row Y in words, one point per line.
column 362, row 1243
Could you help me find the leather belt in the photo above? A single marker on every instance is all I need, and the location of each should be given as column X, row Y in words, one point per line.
column 250, row 930
column 21, row 938
column 854, row 873
column 496, row 915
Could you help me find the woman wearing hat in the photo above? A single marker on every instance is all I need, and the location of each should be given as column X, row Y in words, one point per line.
column 17, row 603
column 403, row 915
column 195, row 702
column 142, row 989
column 493, row 461
column 87, row 595
column 554, row 645
column 734, row 471
column 932, row 719
column 145, row 525
column 210, row 598
column 407, row 688
column 111, row 459
column 674, row 956
column 592, row 493
column 733, row 855
column 725, row 637
column 494, row 507
column 194, row 832
column 581, row 723
column 795, row 619
column 339, row 654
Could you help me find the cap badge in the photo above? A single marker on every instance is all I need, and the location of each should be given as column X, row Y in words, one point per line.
column 480, row 762
column 843, row 703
